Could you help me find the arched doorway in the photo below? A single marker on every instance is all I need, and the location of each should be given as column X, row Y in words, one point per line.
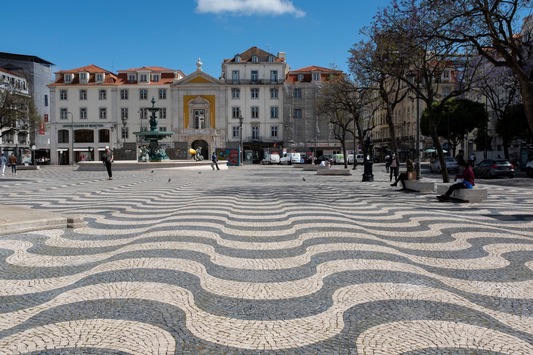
column 203, row 146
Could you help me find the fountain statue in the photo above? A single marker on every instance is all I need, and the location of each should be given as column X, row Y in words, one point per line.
column 154, row 152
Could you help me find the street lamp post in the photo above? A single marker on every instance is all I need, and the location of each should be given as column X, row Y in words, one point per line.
column 71, row 138
column 417, row 145
column 240, row 141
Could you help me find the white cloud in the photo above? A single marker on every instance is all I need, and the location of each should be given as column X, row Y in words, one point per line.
column 249, row 7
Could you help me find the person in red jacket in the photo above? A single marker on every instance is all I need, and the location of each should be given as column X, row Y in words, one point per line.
column 465, row 180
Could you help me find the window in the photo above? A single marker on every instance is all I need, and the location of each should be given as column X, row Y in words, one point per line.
column 297, row 113
column 235, row 112
column 271, row 58
column 143, row 94
column 132, row 78
column 155, row 77
column 102, row 113
column 83, row 113
column 124, row 113
column 255, row 76
column 255, row 93
column 163, row 129
column 274, row 93
column 84, row 136
column 235, row 131
column 316, row 76
column 297, row 93
column 255, row 59
column 99, row 77
column 83, row 94
column 274, row 112
column 235, row 76
column 63, row 114
column 199, row 119
column 163, row 113
column 62, row 136
column 255, row 111
column 274, row 131
column 300, row 77
column 143, row 78
column 84, row 77
column 125, row 131
column 235, row 93
column 255, row 133
column 103, row 135
column 102, row 95
column 274, row 76
column 143, row 113
column 162, row 94
column 124, row 94
column 46, row 100
column 68, row 78
column 237, row 58
column 63, row 95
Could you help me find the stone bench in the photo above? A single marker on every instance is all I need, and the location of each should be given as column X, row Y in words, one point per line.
column 28, row 167
column 310, row 167
column 420, row 186
column 475, row 194
column 329, row 171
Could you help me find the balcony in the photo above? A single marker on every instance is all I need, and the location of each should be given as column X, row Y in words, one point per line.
column 256, row 82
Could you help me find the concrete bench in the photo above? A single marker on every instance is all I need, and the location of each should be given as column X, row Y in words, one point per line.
column 475, row 194
column 297, row 165
column 420, row 186
column 309, row 167
column 28, row 167
column 329, row 171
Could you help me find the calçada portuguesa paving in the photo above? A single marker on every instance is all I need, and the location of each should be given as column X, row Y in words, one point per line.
column 264, row 259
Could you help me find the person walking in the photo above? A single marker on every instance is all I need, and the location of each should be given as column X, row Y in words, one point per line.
column 387, row 163
column 3, row 163
column 214, row 159
column 107, row 159
column 393, row 166
column 13, row 163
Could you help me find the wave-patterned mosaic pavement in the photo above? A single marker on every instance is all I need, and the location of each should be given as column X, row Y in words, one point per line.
column 260, row 260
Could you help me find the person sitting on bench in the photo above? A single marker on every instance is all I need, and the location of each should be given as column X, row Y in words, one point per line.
column 405, row 175
column 465, row 180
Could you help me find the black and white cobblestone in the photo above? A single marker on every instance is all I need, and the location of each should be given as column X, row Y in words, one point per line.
column 257, row 260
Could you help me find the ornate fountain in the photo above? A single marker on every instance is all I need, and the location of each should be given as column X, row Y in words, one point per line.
column 154, row 152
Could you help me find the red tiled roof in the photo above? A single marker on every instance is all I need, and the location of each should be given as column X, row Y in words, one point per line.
column 150, row 68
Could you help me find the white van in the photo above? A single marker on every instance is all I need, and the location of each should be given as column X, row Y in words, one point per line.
column 291, row 158
column 270, row 159
column 339, row 158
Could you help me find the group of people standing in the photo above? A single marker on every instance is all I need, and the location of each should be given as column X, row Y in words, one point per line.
column 11, row 161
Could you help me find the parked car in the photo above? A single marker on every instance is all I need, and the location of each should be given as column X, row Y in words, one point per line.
column 490, row 168
column 270, row 159
column 339, row 158
column 326, row 157
column 350, row 159
column 451, row 165
column 529, row 168
column 291, row 158
column 360, row 158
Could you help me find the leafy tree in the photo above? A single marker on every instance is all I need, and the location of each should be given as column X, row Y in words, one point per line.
column 513, row 126
column 454, row 119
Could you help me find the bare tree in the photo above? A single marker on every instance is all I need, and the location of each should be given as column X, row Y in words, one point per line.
column 493, row 29
column 17, row 111
column 414, row 46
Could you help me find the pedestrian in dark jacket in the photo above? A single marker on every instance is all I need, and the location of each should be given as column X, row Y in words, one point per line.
column 214, row 159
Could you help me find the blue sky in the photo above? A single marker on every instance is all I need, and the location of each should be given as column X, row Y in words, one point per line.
column 123, row 34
